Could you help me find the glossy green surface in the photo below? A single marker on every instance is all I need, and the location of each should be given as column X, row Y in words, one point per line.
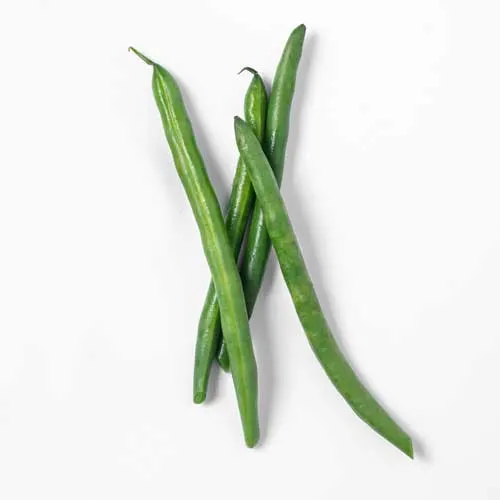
column 304, row 296
column 218, row 251
column 277, row 125
column 240, row 204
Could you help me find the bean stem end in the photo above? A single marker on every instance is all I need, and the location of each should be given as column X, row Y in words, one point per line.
column 141, row 56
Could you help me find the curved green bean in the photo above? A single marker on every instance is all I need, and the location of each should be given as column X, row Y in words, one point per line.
column 191, row 169
column 240, row 204
column 304, row 296
column 277, row 125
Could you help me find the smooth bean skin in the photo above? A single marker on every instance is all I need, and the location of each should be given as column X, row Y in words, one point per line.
column 304, row 296
column 275, row 140
column 240, row 204
column 191, row 169
column 258, row 247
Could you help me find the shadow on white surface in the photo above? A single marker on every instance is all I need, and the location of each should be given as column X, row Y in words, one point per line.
column 260, row 325
column 213, row 384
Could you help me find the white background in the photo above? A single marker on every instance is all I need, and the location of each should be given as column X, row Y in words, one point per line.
column 392, row 183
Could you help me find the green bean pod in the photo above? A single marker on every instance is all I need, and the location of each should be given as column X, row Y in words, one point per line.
column 191, row 169
column 240, row 204
column 277, row 126
column 255, row 115
column 304, row 296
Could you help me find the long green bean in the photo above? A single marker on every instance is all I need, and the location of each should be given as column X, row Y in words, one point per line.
column 277, row 125
column 304, row 296
column 218, row 251
column 240, row 204
column 258, row 245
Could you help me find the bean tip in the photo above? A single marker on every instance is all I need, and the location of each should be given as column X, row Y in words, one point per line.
column 251, row 441
column 408, row 449
column 249, row 69
column 225, row 367
column 223, row 361
column 199, row 397
column 141, row 56
column 238, row 123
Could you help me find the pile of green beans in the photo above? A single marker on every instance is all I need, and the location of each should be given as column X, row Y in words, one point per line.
column 256, row 207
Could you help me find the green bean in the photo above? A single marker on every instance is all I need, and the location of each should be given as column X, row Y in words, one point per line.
column 277, row 125
column 191, row 169
column 240, row 204
column 304, row 296
column 258, row 245
column 255, row 115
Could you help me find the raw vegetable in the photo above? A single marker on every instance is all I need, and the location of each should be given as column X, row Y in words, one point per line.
column 258, row 245
column 240, row 204
column 218, row 251
column 304, row 297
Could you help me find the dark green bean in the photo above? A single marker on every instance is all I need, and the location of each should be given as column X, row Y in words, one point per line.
column 275, row 139
column 258, row 245
column 304, row 297
column 218, row 251
column 240, row 204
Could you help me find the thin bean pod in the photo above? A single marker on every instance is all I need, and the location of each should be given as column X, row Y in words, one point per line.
column 277, row 125
column 258, row 245
column 304, row 296
column 218, row 251
column 240, row 204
